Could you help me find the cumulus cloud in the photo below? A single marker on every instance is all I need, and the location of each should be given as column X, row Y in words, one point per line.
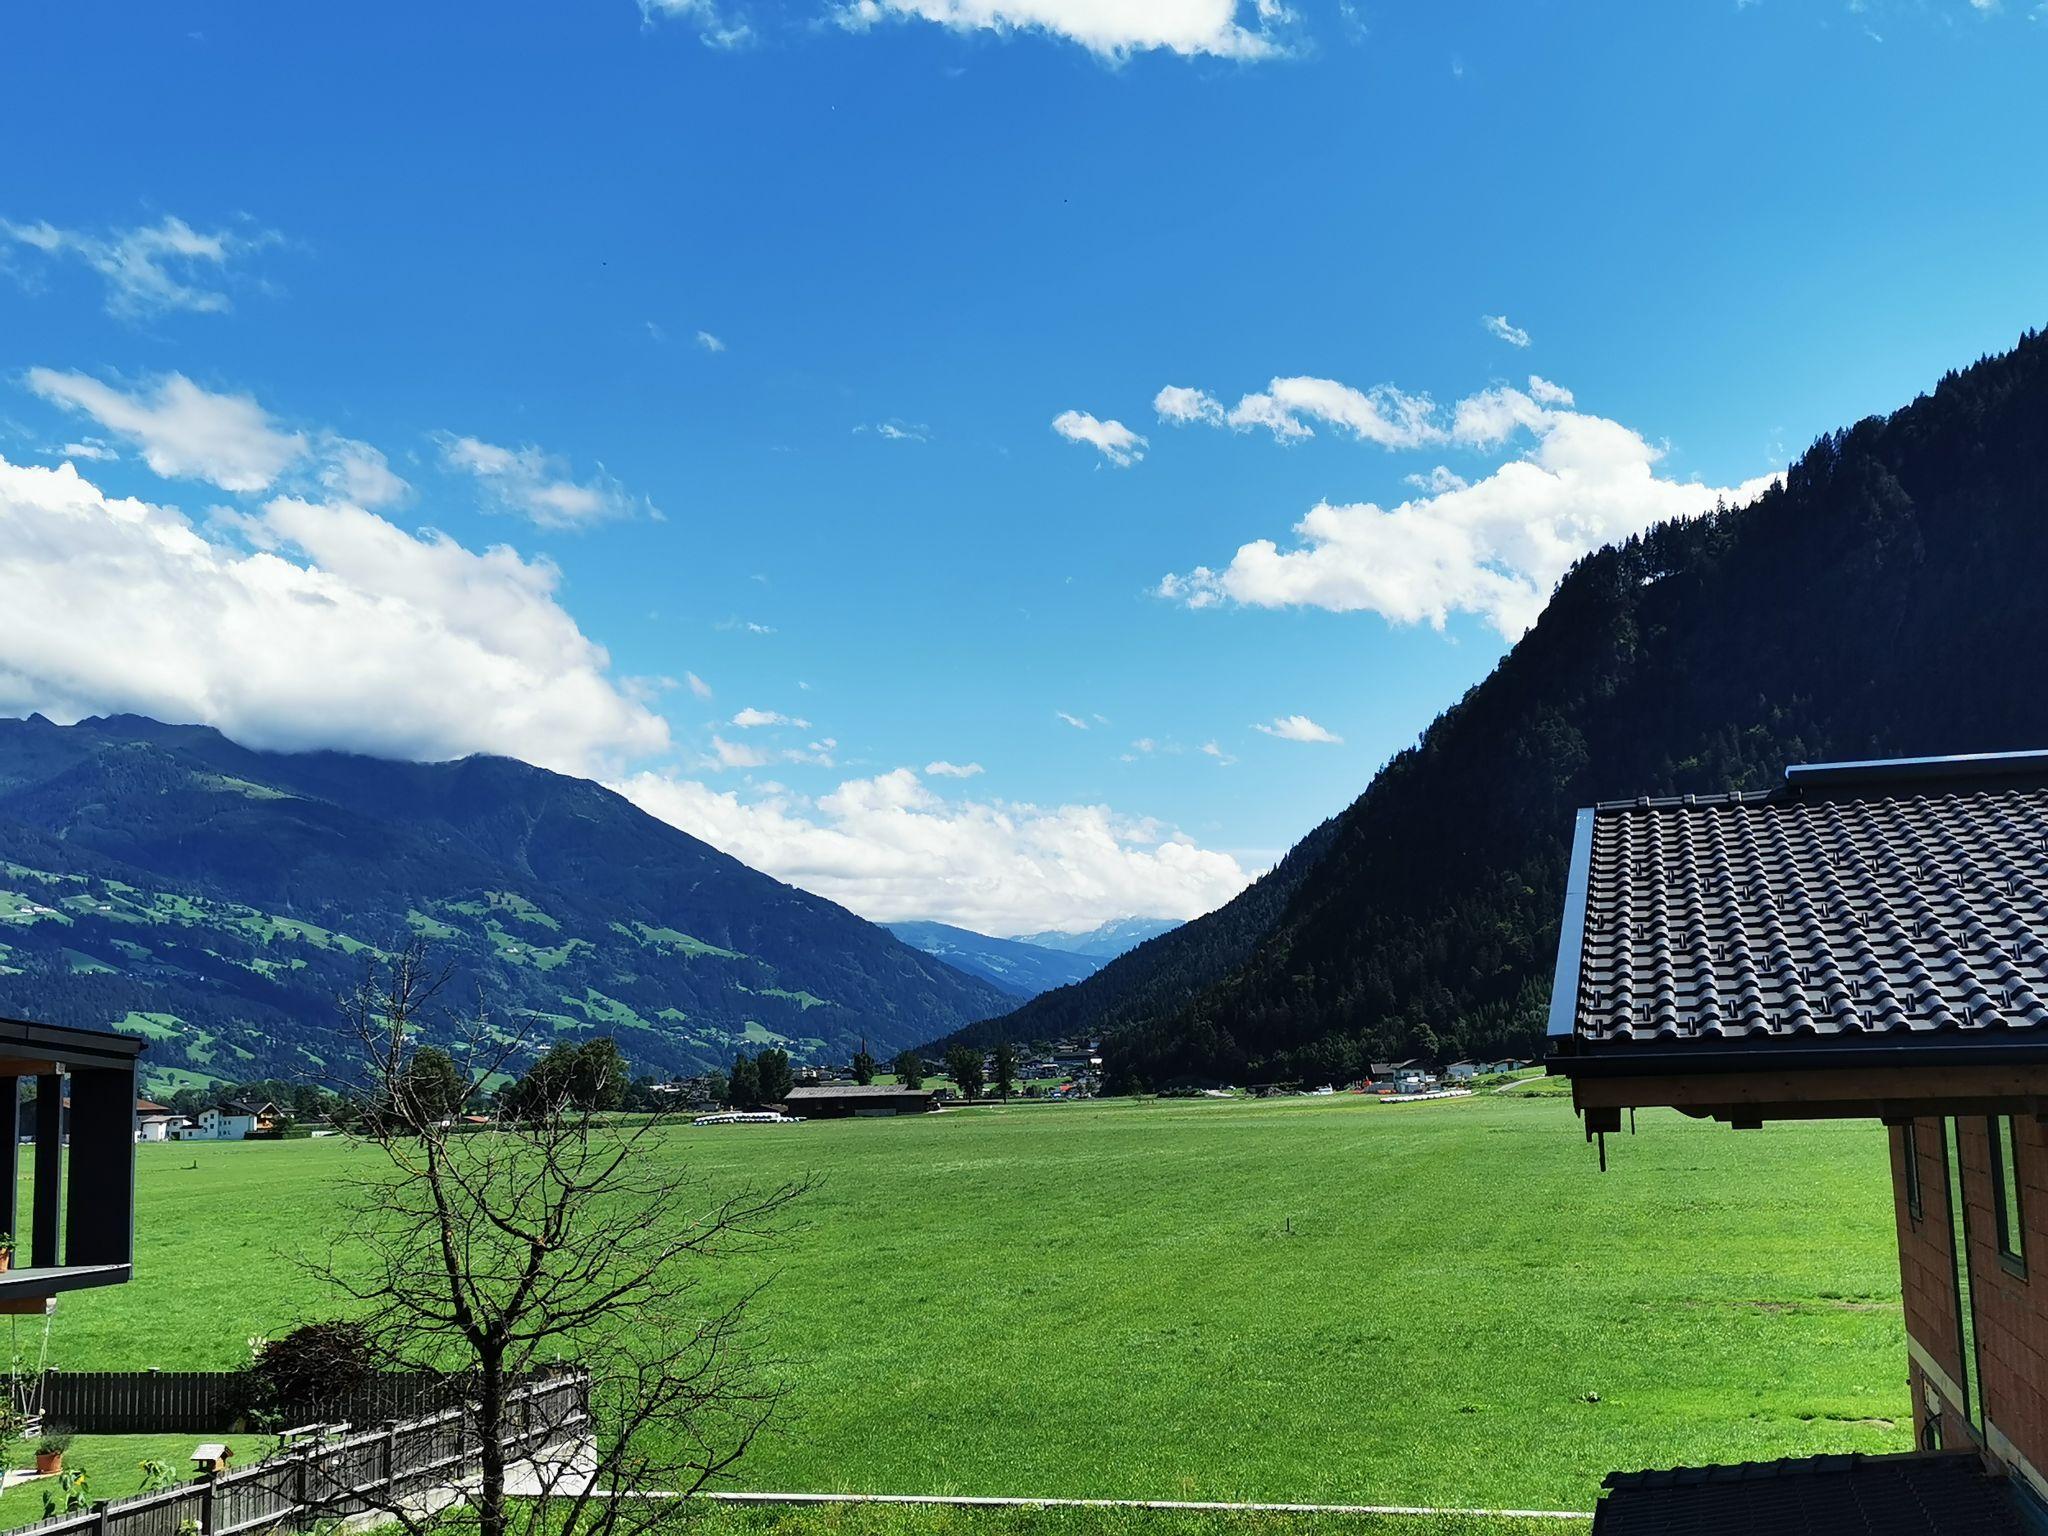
column 323, row 625
column 1113, row 29
column 893, row 850
column 153, row 268
column 1215, row 750
column 1497, row 325
column 1299, row 728
column 1493, row 548
column 717, row 27
column 185, row 432
column 946, row 770
column 188, row 432
column 536, row 485
column 1383, row 414
column 1180, row 405
column 750, row 719
column 1112, row 439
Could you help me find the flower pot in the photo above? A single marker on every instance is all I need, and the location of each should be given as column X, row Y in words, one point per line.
column 6, row 1260
column 48, row 1462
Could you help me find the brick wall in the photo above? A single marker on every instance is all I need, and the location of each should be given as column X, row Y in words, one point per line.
column 2011, row 1310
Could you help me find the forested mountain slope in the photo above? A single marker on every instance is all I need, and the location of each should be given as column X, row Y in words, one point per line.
column 165, row 880
column 1888, row 599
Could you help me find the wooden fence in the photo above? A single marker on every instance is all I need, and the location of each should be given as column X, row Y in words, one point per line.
column 361, row 1474
column 216, row 1402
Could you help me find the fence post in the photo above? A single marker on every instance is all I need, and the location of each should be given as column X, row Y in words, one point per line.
column 391, row 1459
column 206, row 1481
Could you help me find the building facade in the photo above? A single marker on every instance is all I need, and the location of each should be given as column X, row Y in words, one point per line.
column 1868, row 941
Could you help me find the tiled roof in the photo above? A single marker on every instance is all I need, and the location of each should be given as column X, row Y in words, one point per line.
column 1849, row 904
column 1919, row 1493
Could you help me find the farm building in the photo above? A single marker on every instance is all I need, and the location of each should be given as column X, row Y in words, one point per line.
column 1868, row 940
column 838, row 1100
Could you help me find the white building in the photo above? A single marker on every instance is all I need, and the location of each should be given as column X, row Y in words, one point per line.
column 158, row 1127
column 219, row 1124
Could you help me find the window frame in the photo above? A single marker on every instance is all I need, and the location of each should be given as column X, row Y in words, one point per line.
column 2008, row 1213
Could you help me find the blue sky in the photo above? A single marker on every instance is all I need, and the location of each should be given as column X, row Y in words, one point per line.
column 725, row 343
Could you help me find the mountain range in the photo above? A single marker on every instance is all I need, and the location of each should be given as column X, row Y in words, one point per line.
column 1885, row 599
column 163, row 880
column 1035, row 963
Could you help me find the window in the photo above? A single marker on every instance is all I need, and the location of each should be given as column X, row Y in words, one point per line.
column 2002, row 1135
column 1911, row 1151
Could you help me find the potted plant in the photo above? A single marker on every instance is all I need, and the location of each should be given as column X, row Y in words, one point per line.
column 50, row 1451
column 6, row 1251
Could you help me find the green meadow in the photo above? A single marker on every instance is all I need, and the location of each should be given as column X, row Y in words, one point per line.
column 1312, row 1300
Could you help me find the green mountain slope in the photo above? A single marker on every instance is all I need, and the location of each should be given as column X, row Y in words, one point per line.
column 163, row 879
column 1888, row 600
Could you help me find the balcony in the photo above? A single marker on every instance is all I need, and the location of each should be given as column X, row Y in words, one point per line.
column 78, row 1228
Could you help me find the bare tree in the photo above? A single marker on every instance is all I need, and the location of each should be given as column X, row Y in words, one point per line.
column 559, row 1239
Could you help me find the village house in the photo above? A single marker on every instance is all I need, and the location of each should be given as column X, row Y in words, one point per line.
column 1869, row 940
column 231, row 1120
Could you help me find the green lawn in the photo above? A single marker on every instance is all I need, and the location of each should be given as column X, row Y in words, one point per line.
column 113, row 1467
column 1318, row 1300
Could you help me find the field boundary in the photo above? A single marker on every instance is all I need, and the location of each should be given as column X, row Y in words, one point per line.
column 1199, row 1506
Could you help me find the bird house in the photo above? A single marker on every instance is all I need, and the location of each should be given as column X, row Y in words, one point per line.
column 213, row 1457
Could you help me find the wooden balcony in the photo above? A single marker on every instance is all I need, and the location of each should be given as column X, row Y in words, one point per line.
column 80, row 1212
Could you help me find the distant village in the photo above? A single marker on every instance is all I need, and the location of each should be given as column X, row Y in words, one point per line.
column 1052, row 1072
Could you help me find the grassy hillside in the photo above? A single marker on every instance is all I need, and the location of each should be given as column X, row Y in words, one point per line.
column 1321, row 1300
column 1883, row 602
column 163, row 880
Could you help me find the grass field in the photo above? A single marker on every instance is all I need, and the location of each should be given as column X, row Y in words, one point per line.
column 113, row 1467
column 1321, row 1300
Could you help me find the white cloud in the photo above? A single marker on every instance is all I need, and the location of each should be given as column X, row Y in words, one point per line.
column 896, row 430
column 1543, row 392
column 1113, row 29
column 1074, row 720
column 1180, row 405
column 330, row 627
column 946, row 770
column 536, row 485
column 717, row 28
column 1497, row 325
column 89, row 448
column 891, row 849
column 359, row 473
column 737, row 754
column 1115, row 441
column 750, row 718
column 697, row 685
column 709, row 342
column 1382, row 414
column 1299, row 728
column 187, row 432
column 1493, row 548
column 150, row 269
column 1212, row 749
column 184, row 431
